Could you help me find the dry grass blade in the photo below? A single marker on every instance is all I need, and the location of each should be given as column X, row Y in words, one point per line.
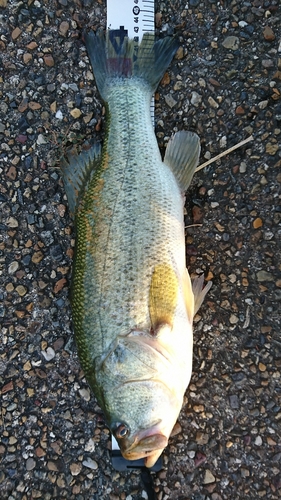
column 224, row 153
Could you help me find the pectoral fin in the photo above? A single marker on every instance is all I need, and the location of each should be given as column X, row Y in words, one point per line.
column 76, row 173
column 182, row 156
column 199, row 292
column 163, row 296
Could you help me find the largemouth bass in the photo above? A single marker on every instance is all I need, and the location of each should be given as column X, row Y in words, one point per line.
column 132, row 299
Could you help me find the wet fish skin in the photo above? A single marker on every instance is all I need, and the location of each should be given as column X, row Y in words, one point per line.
column 132, row 299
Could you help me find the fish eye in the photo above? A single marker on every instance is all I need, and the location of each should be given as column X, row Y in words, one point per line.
column 121, row 431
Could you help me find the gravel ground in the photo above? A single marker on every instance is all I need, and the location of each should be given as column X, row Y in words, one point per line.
column 225, row 84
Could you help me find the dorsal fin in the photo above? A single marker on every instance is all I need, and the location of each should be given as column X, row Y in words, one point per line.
column 182, row 156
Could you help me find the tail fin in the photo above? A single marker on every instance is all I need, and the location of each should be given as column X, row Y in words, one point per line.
column 114, row 57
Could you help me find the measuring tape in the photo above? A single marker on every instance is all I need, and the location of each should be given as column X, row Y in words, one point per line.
column 132, row 18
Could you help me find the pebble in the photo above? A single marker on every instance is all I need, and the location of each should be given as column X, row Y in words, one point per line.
column 170, row 101
column 13, row 267
column 268, row 34
column 264, row 276
column 208, row 477
column 63, row 28
column 30, row 464
column 16, row 33
column 91, row 464
column 75, row 468
column 76, row 113
column 48, row 354
column 21, row 290
column 231, row 42
column 49, row 60
column 196, row 98
column 85, row 394
column 257, row 223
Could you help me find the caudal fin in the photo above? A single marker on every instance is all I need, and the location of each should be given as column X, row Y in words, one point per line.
column 113, row 57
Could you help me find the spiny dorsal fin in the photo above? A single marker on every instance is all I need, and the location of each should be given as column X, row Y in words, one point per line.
column 182, row 156
column 76, row 172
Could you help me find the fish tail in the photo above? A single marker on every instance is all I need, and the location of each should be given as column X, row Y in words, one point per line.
column 115, row 56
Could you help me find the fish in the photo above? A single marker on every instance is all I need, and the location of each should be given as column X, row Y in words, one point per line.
column 132, row 299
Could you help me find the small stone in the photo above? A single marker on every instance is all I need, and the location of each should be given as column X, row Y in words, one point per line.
column 196, row 98
column 37, row 257
column 234, row 401
column 242, row 167
column 32, row 45
column 76, row 113
column 263, row 104
column 262, row 367
column 166, row 79
column 268, row 34
column 91, row 464
column 23, row 105
column 13, row 267
column 75, row 468
column 12, row 222
column 34, row 105
column 59, row 285
column 240, row 110
column 231, row 43
column 48, row 354
column 7, row 387
column 212, row 102
column 257, row 223
column 52, row 466
column 63, row 28
column 21, row 290
column 271, row 148
column 59, row 115
column 53, row 107
column 41, row 139
column 39, row 452
column 27, row 366
column 3, row 3
column 49, row 60
column 179, row 53
column 264, row 276
column 170, row 101
column 202, row 438
column 30, row 464
column 209, row 477
column 27, row 57
column 233, row 319
column 85, row 394
column 16, row 33
column 258, row 441
column 198, row 408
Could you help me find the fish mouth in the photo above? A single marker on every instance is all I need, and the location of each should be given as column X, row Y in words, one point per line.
column 148, row 447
